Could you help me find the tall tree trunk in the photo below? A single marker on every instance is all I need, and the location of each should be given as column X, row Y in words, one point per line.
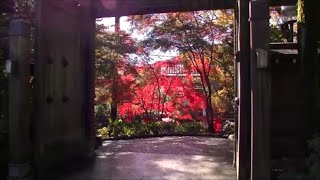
column 114, row 104
column 209, row 106
column 209, row 115
column 114, row 110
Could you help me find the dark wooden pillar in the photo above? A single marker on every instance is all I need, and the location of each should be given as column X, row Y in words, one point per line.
column 88, row 36
column 260, row 90
column 235, row 82
column 64, row 83
column 308, row 47
column 244, row 116
column 19, row 101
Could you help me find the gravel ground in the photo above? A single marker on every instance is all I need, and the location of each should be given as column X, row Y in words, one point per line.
column 205, row 146
column 162, row 158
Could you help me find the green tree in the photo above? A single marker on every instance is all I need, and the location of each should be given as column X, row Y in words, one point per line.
column 113, row 51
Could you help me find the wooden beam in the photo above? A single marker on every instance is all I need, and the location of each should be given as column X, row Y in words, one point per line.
column 137, row 7
column 19, row 101
column 308, row 33
column 64, row 86
column 282, row 2
column 260, row 90
column 284, row 45
column 87, row 45
column 107, row 8
column 244, row 123
column 235, row 83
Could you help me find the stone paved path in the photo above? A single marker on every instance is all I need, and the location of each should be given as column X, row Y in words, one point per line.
column 178, row 158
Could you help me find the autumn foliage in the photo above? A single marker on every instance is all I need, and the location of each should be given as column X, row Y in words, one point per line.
column 156, row 95
column 197, row 84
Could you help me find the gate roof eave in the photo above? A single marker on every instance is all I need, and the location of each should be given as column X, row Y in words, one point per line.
column 107, row 8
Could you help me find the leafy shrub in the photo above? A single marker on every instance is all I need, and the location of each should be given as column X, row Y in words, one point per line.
column 192, row 127
column 119, row 128
column 133, row 128
column 129, row 131
column 167, row 128
column 153, row 128
column 103, row 132
column 116, row 128
column 100, row 115
column 180, row 129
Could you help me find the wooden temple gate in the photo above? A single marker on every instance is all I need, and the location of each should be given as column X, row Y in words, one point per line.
column 62, row 122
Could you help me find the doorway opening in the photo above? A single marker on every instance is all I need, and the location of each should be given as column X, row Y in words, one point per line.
column 170, row 67
column 168, row 74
